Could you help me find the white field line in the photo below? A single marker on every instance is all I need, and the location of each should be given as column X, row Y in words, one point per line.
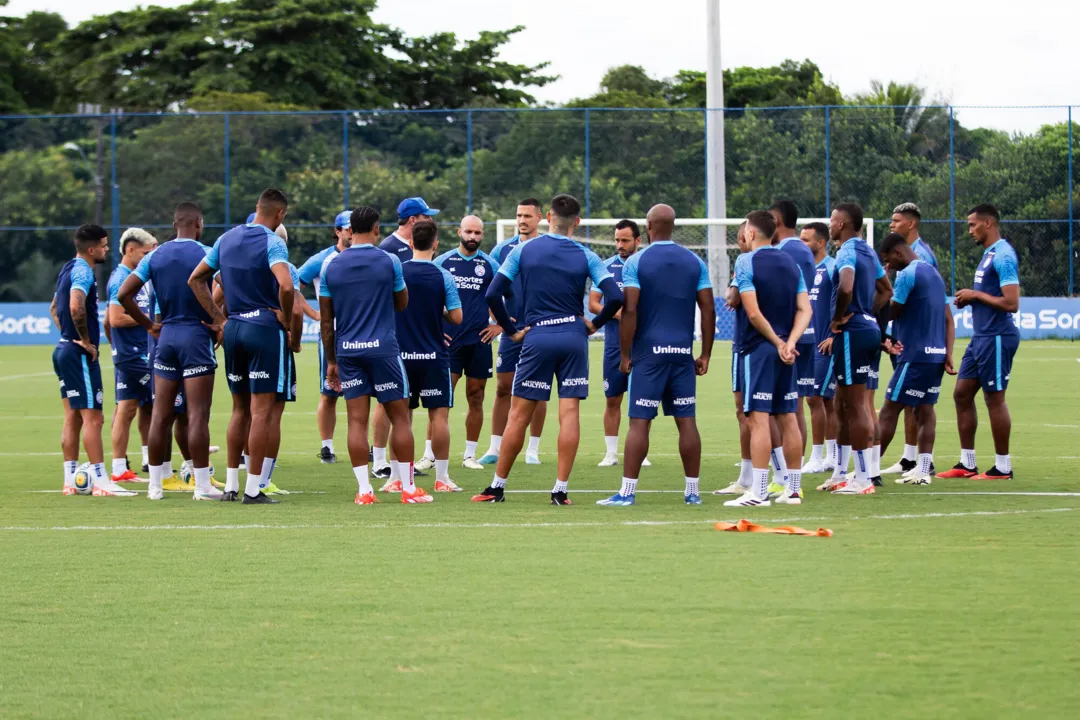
column 917, row 493
column 41, row 374
column 571, row 524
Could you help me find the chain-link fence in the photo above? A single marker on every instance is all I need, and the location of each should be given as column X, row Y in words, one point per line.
column 124, row 170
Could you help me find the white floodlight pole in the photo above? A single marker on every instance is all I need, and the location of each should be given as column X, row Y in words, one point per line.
column 719, row 267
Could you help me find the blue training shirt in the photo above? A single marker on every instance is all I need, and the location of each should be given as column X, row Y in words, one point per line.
column 921, row 327
column 472, row 275
column 553, row 270
column 244, row 255
column 668, row 278
column 129, row 343
column 361, row 282
column 924, row 252
column 856, row 254
column 513, row 298
column 775, row 278
column 614, row 265
column 168, row 267
column 822, row 298
column 397, row 247
column 998, row 268
column 310, row 272
column 739, row 329
column 77, row 275
column 420, row 324
column 804, row 259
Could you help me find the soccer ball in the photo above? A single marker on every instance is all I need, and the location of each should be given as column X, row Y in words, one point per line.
column 84, row 481
column 187, row 472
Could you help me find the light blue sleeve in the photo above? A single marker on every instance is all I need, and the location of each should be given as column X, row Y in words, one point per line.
column 510, row 266
column 879, row 271
column 311, row 269
column 597, row 271
column 82, row 278
column 453, row 302
column 744, row 274
column 294, row 275
column 143, row 268
column 212, row 256
column 114, row 288
column 1007, row 267
column 491, row 261
column 276, row 251
column 629, row 272
column 324, row 287
column 905, row 281
column 441, row 260
column 399, row 278
column 703, row 283
column 845, row 258
column 802, row 284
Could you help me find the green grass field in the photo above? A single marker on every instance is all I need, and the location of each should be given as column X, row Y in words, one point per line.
column 955, row 600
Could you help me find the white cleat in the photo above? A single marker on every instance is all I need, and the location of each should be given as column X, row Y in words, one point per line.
column 813, row 467
column 214, row 449
column 789, row 498
column 832, row 483
column 733, row 489
column 108, row 488
column 610, row 461
column 425, row 464
column 827, row 466
column 747, row 499
column 471, row 464
column 913, row 479
column 155, row 493
column 854, row 487
column 211, row 494
column 646, row 463
column 532, row 458
column 896, row 469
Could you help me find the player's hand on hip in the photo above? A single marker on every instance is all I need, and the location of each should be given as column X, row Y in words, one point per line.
column 332, row 377
column 280, row 318
column 218, row 331
column 835, row 326
column 701, row 365
column 447, row 339
column 825, row 346
column 590, row 329
column 520, row 334
column 89, row 348
column 155, row 330
column 490, row 333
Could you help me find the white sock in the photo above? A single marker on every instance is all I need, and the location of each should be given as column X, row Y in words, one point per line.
column 251, row 485
column 232, row 479
column 167, row 468
column 842, row 457
column 910, row 452
column 817, row 453
column 428, row 452
column 862, row 466
column 267, row 472
column 761, row 483
column 495, row 447
column 967, row 459
column 691, row 487
column 202, row 479
column 611, row 444
column 830, row 451
column 560, row 485
column 119, row 465
column 925, row 459
column 498, row 482
column 146, row 455
column 378, row 457
column 875, row 461
column 1003, row 463
column 405, row 474
column 329, row 444
column 534, row 445
column 779, row 464
column 746, row 474
column 363, row 484
column 794, row 480
column 394, row 471
column 70, row 466
column 99, row 473
column 442, row 469
column 470, row 450
column 157, row 474
column 629, row 487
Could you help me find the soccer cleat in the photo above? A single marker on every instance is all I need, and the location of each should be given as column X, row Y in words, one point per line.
column 382, row 473
column 214, row 449
column 692, row 499
column 489, row 459
column 832, row 483
column 155, row 494
column 145, row 468
column 416, row 497
column 994, row 474
column 417, row 472
column 273, row 489
column 776, row 490
column 646, row 463
column 260, row 499
column 391, row 486
column 733, row 489
column 230, row 496
column 175, row 484
column 959, row 471
column 216, row 483
column 471, row 464
column 447, row 485
column 609, row 461
column 902, row 466
column 853, row 487
column 618, row 500
column 876, row 481
column 366, row 499
column 108, row 488
column 560, row 498
column 425, row 463
column 827, row 466
column 789, row 498
column 532, row 458
column 327, row 457
column 70, row 490
column 127, row 476
column 813, row 467
column 212, row 494
column 913, row 479
column 490, row 494
column 747, row 499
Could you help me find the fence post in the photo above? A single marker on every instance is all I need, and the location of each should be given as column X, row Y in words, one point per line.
column 345, row 154
column 828, row 140
column 227, row 163
column 115, row 193
column 952, row 198
column 1071, row 219
column 586, row 162
column 468, row 163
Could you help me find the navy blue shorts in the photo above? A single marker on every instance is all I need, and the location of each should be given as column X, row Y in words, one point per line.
column 472, row 361
column 289, row 394
column 824, row 376
column 875, row 370
column 856, row 354
column 562, row 355
column 429, row 384
column 184, row 351
column 916, row 383
column 324, row 387
column 769, row 384
column 615, row 381
column 804, row 370
column 509, row 355
column 736, row 373
column 989, row 359
column 671, row 385
column 254, row 357
column 79, row 376
column 383, row 377
column 180, row 402
column 133, row 383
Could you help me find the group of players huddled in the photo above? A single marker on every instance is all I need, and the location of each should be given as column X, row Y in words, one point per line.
column 401, row 324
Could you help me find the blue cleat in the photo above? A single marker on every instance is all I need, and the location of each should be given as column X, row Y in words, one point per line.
column 694, row 499
column 617, row 499
column 532, row 459
column 488, row 459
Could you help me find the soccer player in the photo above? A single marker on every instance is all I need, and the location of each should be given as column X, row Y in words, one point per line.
column 129, row 355
column 184, row 354
column 528, row 224
column 657, row 348
column 905, row 221
column 861, row 289
column 363, row 287
column 254, row 267
column 987, row 362
column 433, row 298
column 553, row 270
column 627, row 242
column 923, row 326
column 75, row 361
column 822, row 413
column 326, row 412
column 777, row 306
column 470, row 342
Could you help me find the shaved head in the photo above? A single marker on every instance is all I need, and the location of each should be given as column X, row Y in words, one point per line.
column 660, row 222
column 471, row 233
column 188, row 221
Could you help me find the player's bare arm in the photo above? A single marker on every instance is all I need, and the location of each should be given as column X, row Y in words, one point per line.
column 950, row 341
column 78, row 317
column 707, row 307
column 883, row 292
column 53, row 313
column 326, row 323
column 628, row 326
column 198, row 284
column 286, row 292
column 1008, row 302
column 126, row 297
column 756, row 318
column 803, row 314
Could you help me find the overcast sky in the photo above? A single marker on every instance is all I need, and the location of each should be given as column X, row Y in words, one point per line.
column 969, row 52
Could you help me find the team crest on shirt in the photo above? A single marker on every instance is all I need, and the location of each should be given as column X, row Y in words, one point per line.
column 480, row 270
column 989, row 259
column 817, row 279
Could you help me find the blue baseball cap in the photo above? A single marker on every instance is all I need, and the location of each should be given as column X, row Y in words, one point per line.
column 251, row 218
column 343, row 219
column 414, row 206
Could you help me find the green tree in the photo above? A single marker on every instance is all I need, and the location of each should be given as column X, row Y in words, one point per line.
column 26, row 83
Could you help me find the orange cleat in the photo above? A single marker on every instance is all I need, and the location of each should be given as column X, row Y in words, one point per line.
column 366, row 499
column 446, row 486
column 958, row 471
column 994, row 474
column 127, row 476
column 391, row 486
column 70, row 490
column 416, row 497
